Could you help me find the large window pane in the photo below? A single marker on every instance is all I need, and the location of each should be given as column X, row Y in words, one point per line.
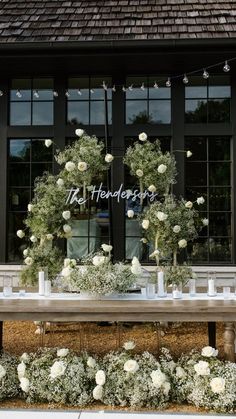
column 43, row 113
column 136, row 112
column 20, row 113
column 160, row 111
column 78, row 113
column 19, row 150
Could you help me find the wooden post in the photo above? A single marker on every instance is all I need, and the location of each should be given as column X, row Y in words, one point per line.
column 229, row 337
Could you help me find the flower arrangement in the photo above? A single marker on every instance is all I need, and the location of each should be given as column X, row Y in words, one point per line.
column 9, row 386
column 97, row 275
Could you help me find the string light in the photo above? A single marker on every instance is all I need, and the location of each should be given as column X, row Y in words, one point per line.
column 1, row 93
column 79, row 92
column 67, row 94
column 226, row 67
column 205, row 74
column 36, row 94
column 91, row 91
column 114, row 88
column 55, row 93
column 104, row 85
column 156, row 85
column 168, row 82
column 142, row 86
column 130, row 88
column 124, row 89
column 185, row 79
column 18, row 94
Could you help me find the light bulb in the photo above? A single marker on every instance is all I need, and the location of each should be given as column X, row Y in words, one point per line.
column 91, row 91
column 142, row 86
column 205, row 74
column 168, row 82
column 67, row 94
column 79, row 92
column 104, row 85
column 36, row 94
column 130, row 87
column 18, row 94
column 226, row 67
column 114, row 88
column 124, row 89
column 185, row 79
column 1, row 93
column 156, row 85
column 55, row 94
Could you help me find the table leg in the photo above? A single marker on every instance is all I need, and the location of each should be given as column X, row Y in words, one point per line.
column 229, row 337
column 212, row 334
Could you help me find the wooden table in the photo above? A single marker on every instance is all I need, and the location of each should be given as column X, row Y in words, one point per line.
column 58, row 310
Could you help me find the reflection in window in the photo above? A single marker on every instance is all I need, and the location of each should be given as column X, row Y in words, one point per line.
column 85, row 101
column 208, row 100
column 27, row 159
column 149, row 104
column 31, row 102
column 208, row 174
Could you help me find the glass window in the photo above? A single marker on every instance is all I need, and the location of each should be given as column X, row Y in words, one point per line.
column 146, row 104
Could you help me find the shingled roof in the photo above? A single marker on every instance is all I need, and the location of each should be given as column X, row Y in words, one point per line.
column 58, row 20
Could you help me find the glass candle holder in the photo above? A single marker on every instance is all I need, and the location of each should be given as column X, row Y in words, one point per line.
column 177, row 291
column 47, row 288
column 211, row 280
column 7, row 286
column 192, row 287
column 151, row 290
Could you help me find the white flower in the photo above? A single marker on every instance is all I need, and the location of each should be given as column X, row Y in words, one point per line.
column 109, row 158
column 202, row 368
column 49, row 236
column 131, row 366
column 128, row 346
column 135, row 261
column 66, row 262
column 2, row 372
column 30, row 207
column 152, row 188
column 142, row 136
column 67, row 228
column 100, row 378
column 57, row 369
column 25, row 252
column 176, row 228
column 200, row 200
column 91, row 362
column 136, row 269
column 139, row 173
column 154, row 254
column 66, row 272
column 82, row 166
column 66, row 215
column 189, row 153
column 33, row 239
column 180, row 373
column 24, row 384
column 166, row 388
column 73, row 262
column 60, row 182
column 62, row 352
column 162, row 168
column 79, row 132
column 182, row 243
column 145, row 224
column 158, row 378
column 98, row 392
column 28, row 261
column 24, row 357
column 205, row 221
column 130, row 213
column 161, row 216
column 208, row 351
column 48, row 143
column 21, row 370
column 106, row 247
column 189, row 204
column 98, row 260
column 143, row 240
column 217, row 385
column 20, row 234
column 70, row 166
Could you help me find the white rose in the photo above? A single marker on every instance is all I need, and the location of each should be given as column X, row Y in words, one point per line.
column 100, row 378
column 28, row 261
column 130, row 213
column 166, row 388
column 66, row 272
column 189, row 204
column 48, row 143
column 60, row 182
column 25, row 252
column 136, row 269
column 62, row 352
column 158, row 378
column 20, row 234
column 70, row 166
column 200, row 200
column 49, row 236
column 189, row 153
column 182, row 243
column 205, row 221
column 24, row 357
column 176, row 228
column 161, row 216
column 109, row 158
column 66, row 262
column 66, row 215
column 135, row 261
column 21, row 370
column 91, row 362
column 217, row 385
column 162, row 168
column 152, row 188
column 131, row 366
column 30, row 207
column 79, row 132
column 33, row 239
column 106, row 247
column 57, row 369
column 143, row 240
column 98, row 392
column 180, row 373
column 139, row 173
column 2, row 372
column 142, row 136
column 82, row 166
column 202, row 368
column 67, row 228
column 24, row 384
column 73, row 262
column 98, row 260
column 145, row 224
column 208, row 351
column 154, row 254
column 128, row 346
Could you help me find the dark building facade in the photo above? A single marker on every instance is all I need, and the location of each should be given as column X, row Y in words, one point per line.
column 60, row 59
